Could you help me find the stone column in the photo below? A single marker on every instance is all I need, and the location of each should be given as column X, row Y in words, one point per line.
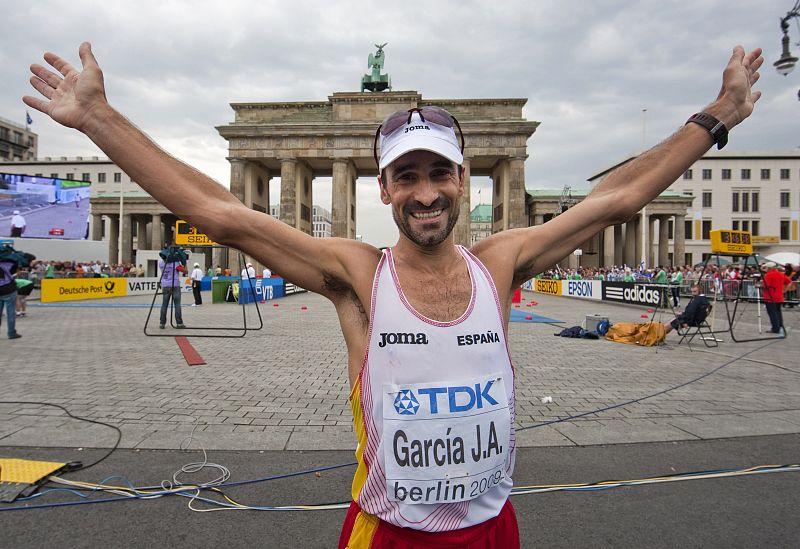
column 651, row 235
column 679, row 241
column 637, row 254
column 663, row 240
column 462, row 228
column 619, row 257
column 219, row 256
column 237, row 178
column 351, row 203
column 157, row 234
column 127, row 238
column 516, row 193
column 630, row 243
column 340, row 189
column 538, row 219
column 609, row 247
column 113, row 238
column 288, row 212
column 97, row 227
column 304, row 178
column 141, row 233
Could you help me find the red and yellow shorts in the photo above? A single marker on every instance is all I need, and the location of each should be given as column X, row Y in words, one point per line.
column 365, row 531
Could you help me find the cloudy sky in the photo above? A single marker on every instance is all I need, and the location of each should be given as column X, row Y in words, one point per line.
column 587, row 69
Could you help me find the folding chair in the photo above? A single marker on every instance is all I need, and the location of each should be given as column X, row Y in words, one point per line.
column 701, row 328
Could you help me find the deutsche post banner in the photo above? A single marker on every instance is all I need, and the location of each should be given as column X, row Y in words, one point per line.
column 73, row 289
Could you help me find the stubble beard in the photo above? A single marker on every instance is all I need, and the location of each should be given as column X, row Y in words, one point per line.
column 427, row 240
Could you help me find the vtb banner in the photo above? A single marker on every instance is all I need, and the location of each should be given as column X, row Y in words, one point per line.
column 73, row 289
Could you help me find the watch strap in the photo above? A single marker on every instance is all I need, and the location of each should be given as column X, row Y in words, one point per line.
column 718, row 131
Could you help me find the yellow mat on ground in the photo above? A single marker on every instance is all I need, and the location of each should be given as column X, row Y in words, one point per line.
column 25, row 470
column 20, row 476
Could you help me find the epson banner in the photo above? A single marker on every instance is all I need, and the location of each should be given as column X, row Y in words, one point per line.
column 586, row 289
column 631, row 293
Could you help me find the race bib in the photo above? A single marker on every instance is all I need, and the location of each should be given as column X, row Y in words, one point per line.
column 444, row 444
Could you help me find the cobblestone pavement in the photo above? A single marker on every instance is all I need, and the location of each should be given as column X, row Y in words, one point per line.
column 285, row 386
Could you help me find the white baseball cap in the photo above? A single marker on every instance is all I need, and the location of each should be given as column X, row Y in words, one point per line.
column 425, row 129
column 16, row 212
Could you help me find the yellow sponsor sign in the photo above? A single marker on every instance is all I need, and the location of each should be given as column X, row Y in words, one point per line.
column 552, row 287
column 73, row 289
column 186, row 235
column 766, row 240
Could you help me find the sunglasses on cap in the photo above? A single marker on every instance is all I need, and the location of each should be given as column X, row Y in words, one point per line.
column 436, row 115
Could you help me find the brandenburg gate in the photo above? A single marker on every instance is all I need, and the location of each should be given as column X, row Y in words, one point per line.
column 300, row 141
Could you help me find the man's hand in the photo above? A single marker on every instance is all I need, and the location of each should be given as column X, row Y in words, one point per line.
column 73, row 96
column 736, row 98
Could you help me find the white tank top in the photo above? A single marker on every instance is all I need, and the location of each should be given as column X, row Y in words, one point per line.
column 437, row 445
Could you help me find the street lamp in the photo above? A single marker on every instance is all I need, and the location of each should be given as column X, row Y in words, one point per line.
column 787, row 61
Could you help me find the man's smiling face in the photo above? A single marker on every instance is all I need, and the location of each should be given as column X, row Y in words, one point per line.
column 424, row 190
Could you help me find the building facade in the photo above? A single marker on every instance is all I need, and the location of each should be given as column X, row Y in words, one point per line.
column 321, row 220
column 480, row 223
column 17, row 142
column 755, row 191
column 628, row 243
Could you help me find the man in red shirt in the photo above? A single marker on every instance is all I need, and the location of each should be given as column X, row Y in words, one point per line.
column 775, row 284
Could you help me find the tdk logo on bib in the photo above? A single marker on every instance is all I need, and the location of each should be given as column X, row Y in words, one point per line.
column 456, row 399
column 406, row 403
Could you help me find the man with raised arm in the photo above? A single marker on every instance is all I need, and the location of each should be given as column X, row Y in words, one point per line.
column 432, row 385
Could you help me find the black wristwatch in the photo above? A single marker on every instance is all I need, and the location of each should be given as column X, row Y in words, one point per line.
column 718, row 131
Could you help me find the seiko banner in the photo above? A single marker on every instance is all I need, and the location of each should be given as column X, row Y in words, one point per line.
column 552, row 287
column 631, row 293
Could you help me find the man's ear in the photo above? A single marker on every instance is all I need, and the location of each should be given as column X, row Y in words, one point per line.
column 461, row 181
column 385, row 198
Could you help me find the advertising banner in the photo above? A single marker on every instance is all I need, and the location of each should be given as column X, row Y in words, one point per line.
column 632, row 293
column 552, row 287
column 147, row 285
column 586, row 289
column 73, row 289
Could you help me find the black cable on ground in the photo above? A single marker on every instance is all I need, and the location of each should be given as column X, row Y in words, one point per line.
column 78, row 466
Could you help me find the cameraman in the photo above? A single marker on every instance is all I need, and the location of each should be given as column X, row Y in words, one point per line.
column 10, row 261
column 172, row 266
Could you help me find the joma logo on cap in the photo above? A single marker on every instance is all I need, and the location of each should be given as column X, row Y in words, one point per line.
column 412, row 128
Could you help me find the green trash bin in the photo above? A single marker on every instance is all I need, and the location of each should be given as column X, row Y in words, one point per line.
column 218, row 290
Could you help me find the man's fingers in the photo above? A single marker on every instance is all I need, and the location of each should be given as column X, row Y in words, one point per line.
column 755, row 96
column 754, row 78
column 46, row 75
column 86, row 55
column 59, row 64
column 757, row 63
column 42, row 87
column 738, row 55
column 35, row 103
column 754, row 54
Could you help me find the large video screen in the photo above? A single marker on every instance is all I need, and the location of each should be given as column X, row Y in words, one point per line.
column 43, row 207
